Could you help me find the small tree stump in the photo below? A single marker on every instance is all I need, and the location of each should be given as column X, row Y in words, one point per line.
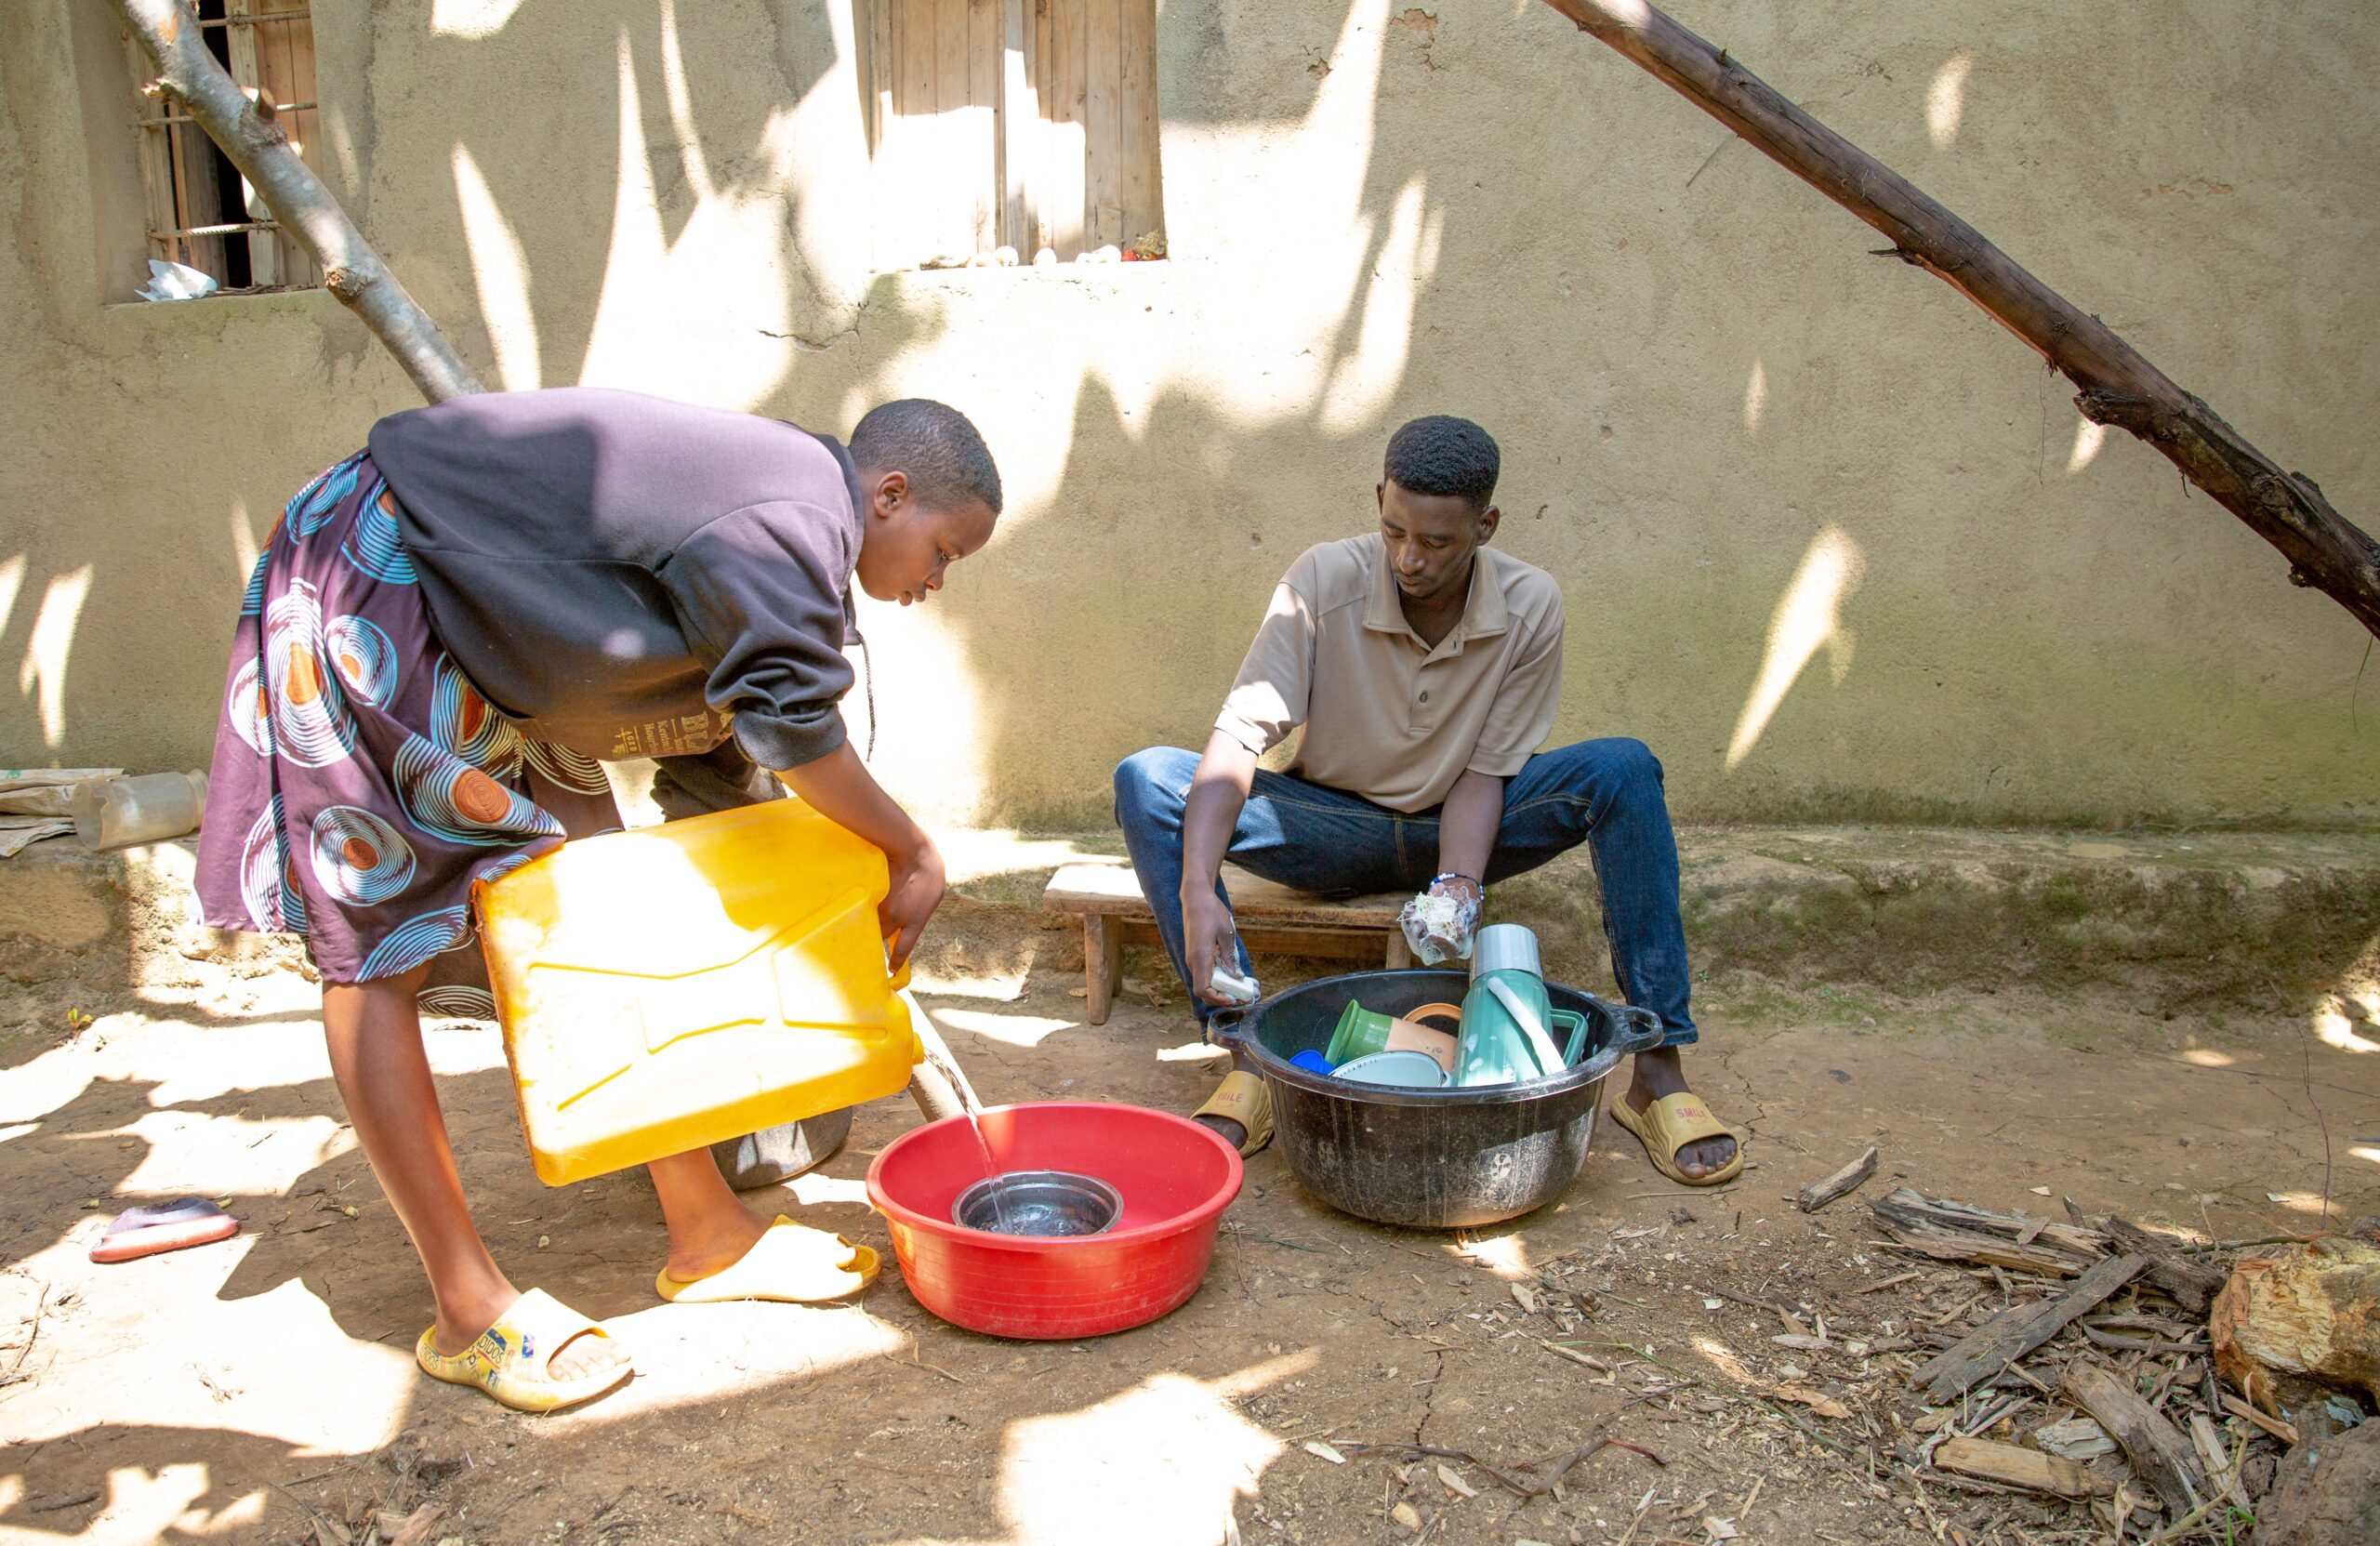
column 2312, row 1311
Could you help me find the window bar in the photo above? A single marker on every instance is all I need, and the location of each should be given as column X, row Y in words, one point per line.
column 258, row 19
column 278, row 109
column 232, row 227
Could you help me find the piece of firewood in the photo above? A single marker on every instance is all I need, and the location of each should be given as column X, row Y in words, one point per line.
column 2192, row 1284
column 2157, row 1449
column 2118, row 386
column 2211, row 1455
column 1819, row 1192
column 2017, row 1330
column 2312, row 1311
column 1907, row 1205
column 2029, row 1469
column 1958, row 1244
column 2285, row 1432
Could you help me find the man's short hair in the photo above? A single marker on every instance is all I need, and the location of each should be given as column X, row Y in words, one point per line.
column 945, row 458
column 1443, row 455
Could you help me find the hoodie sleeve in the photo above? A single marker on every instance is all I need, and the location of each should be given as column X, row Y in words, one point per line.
column 759, row 595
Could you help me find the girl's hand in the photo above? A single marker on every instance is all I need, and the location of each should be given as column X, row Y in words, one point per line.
column 918, row 884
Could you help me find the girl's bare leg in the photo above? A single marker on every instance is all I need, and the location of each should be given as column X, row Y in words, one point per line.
column 383, row 1073
column 709, row 1227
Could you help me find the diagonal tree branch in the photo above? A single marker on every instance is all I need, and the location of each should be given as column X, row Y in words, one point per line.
column 2118, row 387
column 169, row 34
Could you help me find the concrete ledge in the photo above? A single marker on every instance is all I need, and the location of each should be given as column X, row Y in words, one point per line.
column 105, row 922
column 2262, row 919
column 2268, row 920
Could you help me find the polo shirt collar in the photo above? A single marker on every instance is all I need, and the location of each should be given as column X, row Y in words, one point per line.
column 1483, row 611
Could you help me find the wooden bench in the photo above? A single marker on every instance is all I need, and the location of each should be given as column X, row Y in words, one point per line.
column 1272, row 917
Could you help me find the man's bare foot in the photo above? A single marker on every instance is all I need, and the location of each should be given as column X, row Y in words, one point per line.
column 1230, row 1132
column 582, row 1355
column 1662, row 1073
column 721, row 1241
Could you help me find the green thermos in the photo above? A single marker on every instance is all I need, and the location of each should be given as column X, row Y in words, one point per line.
column 1505, row 1015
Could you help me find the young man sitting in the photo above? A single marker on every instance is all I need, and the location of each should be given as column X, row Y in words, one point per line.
column 1425, row 669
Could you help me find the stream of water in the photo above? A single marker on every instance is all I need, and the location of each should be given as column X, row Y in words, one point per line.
column 973, row 1110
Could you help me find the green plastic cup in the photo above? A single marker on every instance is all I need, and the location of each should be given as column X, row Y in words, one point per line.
column 1359, row 1032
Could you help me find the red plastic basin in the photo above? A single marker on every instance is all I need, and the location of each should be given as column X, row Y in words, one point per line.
column 1175, row 1177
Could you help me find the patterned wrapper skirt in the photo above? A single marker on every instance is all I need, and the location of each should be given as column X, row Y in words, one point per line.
column 361, row 785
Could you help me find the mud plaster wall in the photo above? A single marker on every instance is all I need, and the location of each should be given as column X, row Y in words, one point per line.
column 1741, row 443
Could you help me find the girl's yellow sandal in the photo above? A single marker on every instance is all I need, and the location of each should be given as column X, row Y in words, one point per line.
column 512, row 1358
column 791, row 1264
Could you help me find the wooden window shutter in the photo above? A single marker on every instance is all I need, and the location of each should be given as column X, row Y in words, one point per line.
column 1012, row 123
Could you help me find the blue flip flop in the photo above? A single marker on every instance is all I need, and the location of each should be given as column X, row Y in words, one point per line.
column 161, row 1227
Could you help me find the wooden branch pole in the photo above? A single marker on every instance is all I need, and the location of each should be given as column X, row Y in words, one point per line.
column 2118, row 387
column 2012, row 1466
column 1824, row 1190
column 2193, row 1285
column 169, row 34
column 2157, row 1449
column 2011, row 1334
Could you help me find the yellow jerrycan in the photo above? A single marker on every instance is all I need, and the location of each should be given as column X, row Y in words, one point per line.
column 663, row 989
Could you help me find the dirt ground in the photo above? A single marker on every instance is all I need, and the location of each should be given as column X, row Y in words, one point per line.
column 262, row 1389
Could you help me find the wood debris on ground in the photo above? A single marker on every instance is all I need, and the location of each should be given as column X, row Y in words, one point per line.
column 2029, row 1378
column 2082, row 1366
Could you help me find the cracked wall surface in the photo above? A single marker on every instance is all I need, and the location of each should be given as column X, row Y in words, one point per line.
column 1772, row 473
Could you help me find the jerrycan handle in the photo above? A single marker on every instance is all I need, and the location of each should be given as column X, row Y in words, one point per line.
column 901, row 978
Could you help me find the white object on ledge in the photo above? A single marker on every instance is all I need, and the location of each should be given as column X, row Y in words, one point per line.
column 118, row 813
column 177, row 281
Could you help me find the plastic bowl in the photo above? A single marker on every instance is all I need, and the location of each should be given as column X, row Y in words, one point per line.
column 1175, row 1178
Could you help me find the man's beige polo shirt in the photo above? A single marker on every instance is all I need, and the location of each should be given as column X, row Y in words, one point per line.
column 1387, row 716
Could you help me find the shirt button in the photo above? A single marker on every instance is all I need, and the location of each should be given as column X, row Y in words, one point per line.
column 1425, row 697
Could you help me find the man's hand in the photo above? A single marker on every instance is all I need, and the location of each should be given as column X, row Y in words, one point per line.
column 1217, row 791
column 1206, row 937
column 1440, row 923
column 917, row 882
column 1461, row 888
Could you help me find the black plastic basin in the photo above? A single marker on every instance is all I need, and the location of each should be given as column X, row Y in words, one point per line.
column 1428, row 1159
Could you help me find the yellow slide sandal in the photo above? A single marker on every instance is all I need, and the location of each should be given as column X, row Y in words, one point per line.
column 511, row 1360
column 1669, row 1125
column 1245, row 1098
column 792, row 1263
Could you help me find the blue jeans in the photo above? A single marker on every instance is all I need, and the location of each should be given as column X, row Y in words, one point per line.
column 1326, row 841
